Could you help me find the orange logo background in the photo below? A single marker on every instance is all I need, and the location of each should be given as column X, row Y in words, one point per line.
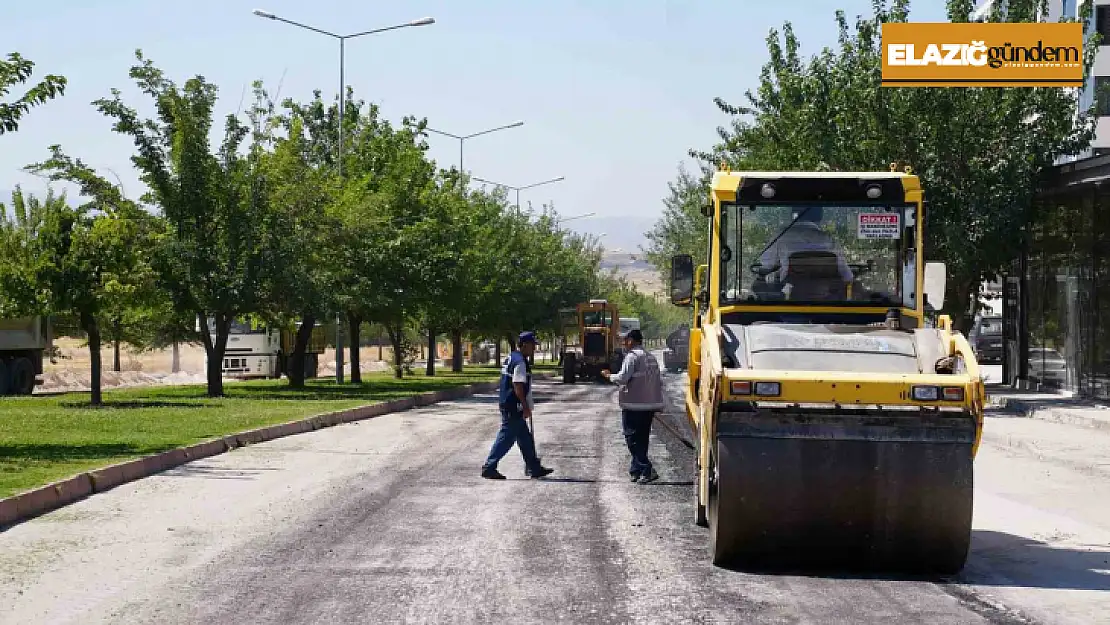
column 982, row 55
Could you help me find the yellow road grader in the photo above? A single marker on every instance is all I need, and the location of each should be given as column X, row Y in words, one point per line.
column 596, row 326
column 836, row 425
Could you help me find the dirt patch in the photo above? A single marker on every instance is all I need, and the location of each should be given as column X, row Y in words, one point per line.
column 70, row 373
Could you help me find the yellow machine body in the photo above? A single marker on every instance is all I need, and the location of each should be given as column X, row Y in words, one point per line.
column 838, row 427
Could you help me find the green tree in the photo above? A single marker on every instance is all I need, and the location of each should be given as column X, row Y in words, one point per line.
column 80, row 261
column 453, row 256
column 386, row 254
column 300, row 240
column 387, row 186
column 657, row 318
column 979, row 151
column 17, row 70
column 682, row 227
column 211, row 259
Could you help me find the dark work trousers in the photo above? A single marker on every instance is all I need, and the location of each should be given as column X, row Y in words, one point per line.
column 637, row 433
column 514, row 429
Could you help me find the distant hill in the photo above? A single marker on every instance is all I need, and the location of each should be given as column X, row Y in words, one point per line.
column 622, row 233
column 635, row 269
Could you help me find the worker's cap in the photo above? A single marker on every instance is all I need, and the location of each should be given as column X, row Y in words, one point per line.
column 527, row 337
column 636, row 336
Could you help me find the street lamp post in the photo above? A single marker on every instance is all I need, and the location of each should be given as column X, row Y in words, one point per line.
column 559, row 221
column 339, row 150
column 519, row 189
column 463, row 138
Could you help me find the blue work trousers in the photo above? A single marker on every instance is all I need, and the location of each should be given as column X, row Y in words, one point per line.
column 514, row 429
column 637, row 433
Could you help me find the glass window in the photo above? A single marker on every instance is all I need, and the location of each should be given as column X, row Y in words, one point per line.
column 847, row 255
column 597, row 318
column 1102, row 23
column 1102, row 96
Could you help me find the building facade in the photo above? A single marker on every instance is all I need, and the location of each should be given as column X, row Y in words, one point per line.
column 1058, row 291
column 1099, row 80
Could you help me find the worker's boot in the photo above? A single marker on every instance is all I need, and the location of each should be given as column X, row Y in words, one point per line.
column 492, row 474
column 539, row 472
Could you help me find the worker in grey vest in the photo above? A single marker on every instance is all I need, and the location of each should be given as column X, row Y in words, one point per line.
column 641, row 396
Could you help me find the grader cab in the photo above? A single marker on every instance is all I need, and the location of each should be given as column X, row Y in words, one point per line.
column 834, row 427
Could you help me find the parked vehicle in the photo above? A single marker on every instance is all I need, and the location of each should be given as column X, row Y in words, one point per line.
column 677, row 352
column 23, row 344
column 1047, row 366
column 258, row 350
column 986, row 339
column 628, row 324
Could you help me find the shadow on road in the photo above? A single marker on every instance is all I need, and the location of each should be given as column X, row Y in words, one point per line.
column 580, row 480
column 217, row 473
column 996, row 559
column 1001, row 559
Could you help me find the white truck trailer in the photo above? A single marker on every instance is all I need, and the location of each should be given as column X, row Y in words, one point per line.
column 628, row 324
column 24, row 343
column 258, row 350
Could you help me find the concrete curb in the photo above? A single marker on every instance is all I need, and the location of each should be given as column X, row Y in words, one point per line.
column 1064, row 416
column 33, row 503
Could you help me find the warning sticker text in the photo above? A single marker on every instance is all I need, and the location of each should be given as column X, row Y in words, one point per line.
column 879, row 226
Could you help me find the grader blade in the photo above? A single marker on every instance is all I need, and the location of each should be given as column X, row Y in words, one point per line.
column 842, row 489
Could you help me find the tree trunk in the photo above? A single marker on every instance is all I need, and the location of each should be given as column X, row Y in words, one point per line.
column 962, row 297
column 175, row 359
column 300, row 345
column 381, row 340
column 355, row 323
column 214, row 349
column 497, row 353
column 117, row 366
column 92, row 329
column 398, row 357
column 456, row 351
column 430, row 370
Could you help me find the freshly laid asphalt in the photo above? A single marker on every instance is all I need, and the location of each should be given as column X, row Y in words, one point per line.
column 388, row 521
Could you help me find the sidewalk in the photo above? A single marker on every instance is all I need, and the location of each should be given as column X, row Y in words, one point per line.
column 1055, row 407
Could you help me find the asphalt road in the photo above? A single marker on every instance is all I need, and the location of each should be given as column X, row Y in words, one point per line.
column 387, row 521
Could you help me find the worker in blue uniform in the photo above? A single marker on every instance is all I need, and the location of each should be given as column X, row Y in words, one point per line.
column 516, row 403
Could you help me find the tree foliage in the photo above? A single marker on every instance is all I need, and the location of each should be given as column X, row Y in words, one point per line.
column 81, row 260
column 16, row 70
column 682, row 227
column 263, row 226
column 979, row 151
column 213, row 202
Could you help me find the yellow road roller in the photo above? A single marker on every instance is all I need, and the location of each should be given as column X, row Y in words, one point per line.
column 837, row 417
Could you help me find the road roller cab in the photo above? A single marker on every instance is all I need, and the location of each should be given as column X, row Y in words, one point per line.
column 834, row 428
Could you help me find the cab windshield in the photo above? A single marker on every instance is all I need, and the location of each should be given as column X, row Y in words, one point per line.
column 818, row 253
column 597, row 318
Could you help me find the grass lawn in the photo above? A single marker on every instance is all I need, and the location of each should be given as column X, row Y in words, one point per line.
column 43, row 439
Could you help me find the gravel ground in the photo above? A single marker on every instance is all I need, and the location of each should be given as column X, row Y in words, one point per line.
column 387, row 521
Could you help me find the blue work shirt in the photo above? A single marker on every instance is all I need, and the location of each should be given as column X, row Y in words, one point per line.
column 515, row 369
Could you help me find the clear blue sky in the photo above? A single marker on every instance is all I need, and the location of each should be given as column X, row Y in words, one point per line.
column 612, row 92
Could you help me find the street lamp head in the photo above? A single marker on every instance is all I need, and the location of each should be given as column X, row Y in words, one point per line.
column 265, row 14
column 424, row 21
column 515, row 124
column 559, row 179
